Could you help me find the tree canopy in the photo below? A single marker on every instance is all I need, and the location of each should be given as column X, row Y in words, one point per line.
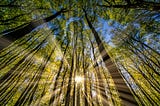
column 80, row 52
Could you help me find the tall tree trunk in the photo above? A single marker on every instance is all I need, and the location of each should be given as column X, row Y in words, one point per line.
column 124, row 92
column 101, row 83
column 17, row 33
column 84, row 73
column 72, row 69
column 27, row 95
column 77, row 72
column 62, row 85
column 58, row 74
column 109, row 89
column 153, row 81
column 75, row 66
column 146, row 95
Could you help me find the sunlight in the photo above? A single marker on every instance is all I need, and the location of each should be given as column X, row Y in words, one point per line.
column 79, row 79
column 94, row 93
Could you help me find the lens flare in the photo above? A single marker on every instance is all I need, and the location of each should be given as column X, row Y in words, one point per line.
column 79, row 79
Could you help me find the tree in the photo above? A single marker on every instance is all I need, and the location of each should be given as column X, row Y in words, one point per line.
column 65, row 59
column 17, row 33
column 106, row 58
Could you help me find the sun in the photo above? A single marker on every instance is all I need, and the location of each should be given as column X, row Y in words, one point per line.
column 79, row 79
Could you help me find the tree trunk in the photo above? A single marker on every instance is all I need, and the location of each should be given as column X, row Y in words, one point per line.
column 58, row 75
column 13, row 35
column 124, row 92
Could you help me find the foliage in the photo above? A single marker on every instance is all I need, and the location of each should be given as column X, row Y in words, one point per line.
column 66, row 41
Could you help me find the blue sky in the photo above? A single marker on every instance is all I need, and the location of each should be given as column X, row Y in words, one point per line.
column 105, row 29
